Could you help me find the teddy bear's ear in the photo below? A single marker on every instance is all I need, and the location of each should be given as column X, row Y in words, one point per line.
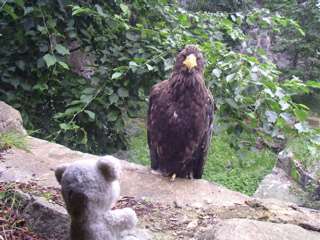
column 109, row 167
column 59, row 172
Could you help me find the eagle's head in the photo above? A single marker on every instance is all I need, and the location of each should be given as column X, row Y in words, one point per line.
column 190, row 60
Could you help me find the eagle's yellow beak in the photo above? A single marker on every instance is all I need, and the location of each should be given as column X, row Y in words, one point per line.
column 191, row 61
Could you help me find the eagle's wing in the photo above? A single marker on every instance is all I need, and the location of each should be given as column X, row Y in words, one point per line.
column 151, row 132
column 200, row 154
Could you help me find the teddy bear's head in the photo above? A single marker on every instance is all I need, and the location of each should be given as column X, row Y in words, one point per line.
column 89, row 185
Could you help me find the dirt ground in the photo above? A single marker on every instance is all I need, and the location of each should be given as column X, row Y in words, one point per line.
column 12, row 226
column 162, row 220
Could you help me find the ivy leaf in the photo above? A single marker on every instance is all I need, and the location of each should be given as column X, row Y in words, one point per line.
column 77, row 10
column 68, row 126
column 72, row 110
column 64, row 65
column 133, row 64
column 149, row 67
column 168, row 64
column 132, row 36
column 100, row 11
column 64, row 126
column 86, row 98
column 183, row 20
column 49, row 59
column 108, row 91
column 40, row 86
column 20, row 3
column 124, row 9
column 112, row 116
column 116, row 75
column 216, row 72
column 113, row 98
column 271, row 116
column 302, row 128
column 62, row 49
column 230, row 77
column 301, row 114
column 284, row 105
column 91, row 114
column 122, row 92
column 89, row 91
column 313, row 84
column 288, row 118
column 10, row 10
column 316, row 140
column 3, row 195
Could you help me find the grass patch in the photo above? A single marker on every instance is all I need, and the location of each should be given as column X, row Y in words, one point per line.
column 138, row 148
column 12, row 139
column 240, row 170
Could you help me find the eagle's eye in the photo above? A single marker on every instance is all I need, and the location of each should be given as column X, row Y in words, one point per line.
column 190, row 61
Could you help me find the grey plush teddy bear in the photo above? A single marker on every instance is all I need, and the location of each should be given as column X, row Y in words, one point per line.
column 90, row 189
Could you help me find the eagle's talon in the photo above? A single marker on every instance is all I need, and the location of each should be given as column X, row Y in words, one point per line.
column 173, row 177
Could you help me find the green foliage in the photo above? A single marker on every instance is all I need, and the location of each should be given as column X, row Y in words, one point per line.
column 305, row 149
column 216, row 5
column 12, row 139
column 240, row 170
column 133, row 45
column 303, row 50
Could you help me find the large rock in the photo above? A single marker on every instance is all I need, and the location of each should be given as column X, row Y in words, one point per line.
column 46, row 219
column 280, row 186
column 137, row 181
column 172, row 210
column 293, row 182
column 244, row 229
column 272, row 210
column 51, row 221
column 10, row 119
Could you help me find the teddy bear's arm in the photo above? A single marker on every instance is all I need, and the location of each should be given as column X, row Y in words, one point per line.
column 123, row 219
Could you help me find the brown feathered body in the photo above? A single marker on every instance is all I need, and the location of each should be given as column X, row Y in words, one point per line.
column 180, row 120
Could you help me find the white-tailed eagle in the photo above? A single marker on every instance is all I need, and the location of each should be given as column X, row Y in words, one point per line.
column 180, row 118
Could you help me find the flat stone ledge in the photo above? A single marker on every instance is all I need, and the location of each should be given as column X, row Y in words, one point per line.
column 137, row 181
column 245, row 229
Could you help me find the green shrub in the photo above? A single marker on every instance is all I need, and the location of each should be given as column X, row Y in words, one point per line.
column 134, row 44
column 305, row 149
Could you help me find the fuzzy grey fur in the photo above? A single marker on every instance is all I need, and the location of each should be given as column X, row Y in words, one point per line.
column 90, row 189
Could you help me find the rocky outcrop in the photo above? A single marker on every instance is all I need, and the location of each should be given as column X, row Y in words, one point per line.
column 279, row 185
column 291, row 181
column 50, row 220
column 10, row 119
column 137, row 181
column 245, row 229
column 183, row 209
column 47, row 219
